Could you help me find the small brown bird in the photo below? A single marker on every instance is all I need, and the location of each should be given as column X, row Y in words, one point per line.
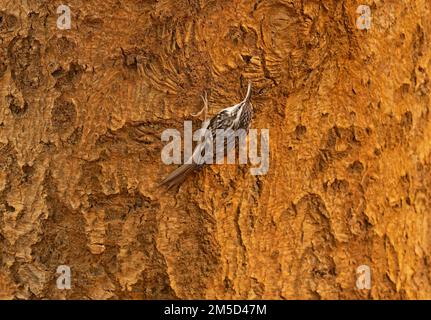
column 234, row 118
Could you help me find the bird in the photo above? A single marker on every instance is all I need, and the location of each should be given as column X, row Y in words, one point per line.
column 234, row 118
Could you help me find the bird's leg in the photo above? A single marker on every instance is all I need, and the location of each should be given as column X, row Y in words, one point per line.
column 205, row 122
column 204, row 110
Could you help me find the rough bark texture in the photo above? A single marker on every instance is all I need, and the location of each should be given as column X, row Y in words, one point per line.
column 81, row 116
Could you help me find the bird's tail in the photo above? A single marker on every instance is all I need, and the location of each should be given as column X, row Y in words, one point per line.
column 178, row 175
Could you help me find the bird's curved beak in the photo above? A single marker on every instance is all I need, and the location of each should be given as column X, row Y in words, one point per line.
column 248, row 95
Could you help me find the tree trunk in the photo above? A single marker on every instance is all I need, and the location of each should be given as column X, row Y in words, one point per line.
column 82, row 112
